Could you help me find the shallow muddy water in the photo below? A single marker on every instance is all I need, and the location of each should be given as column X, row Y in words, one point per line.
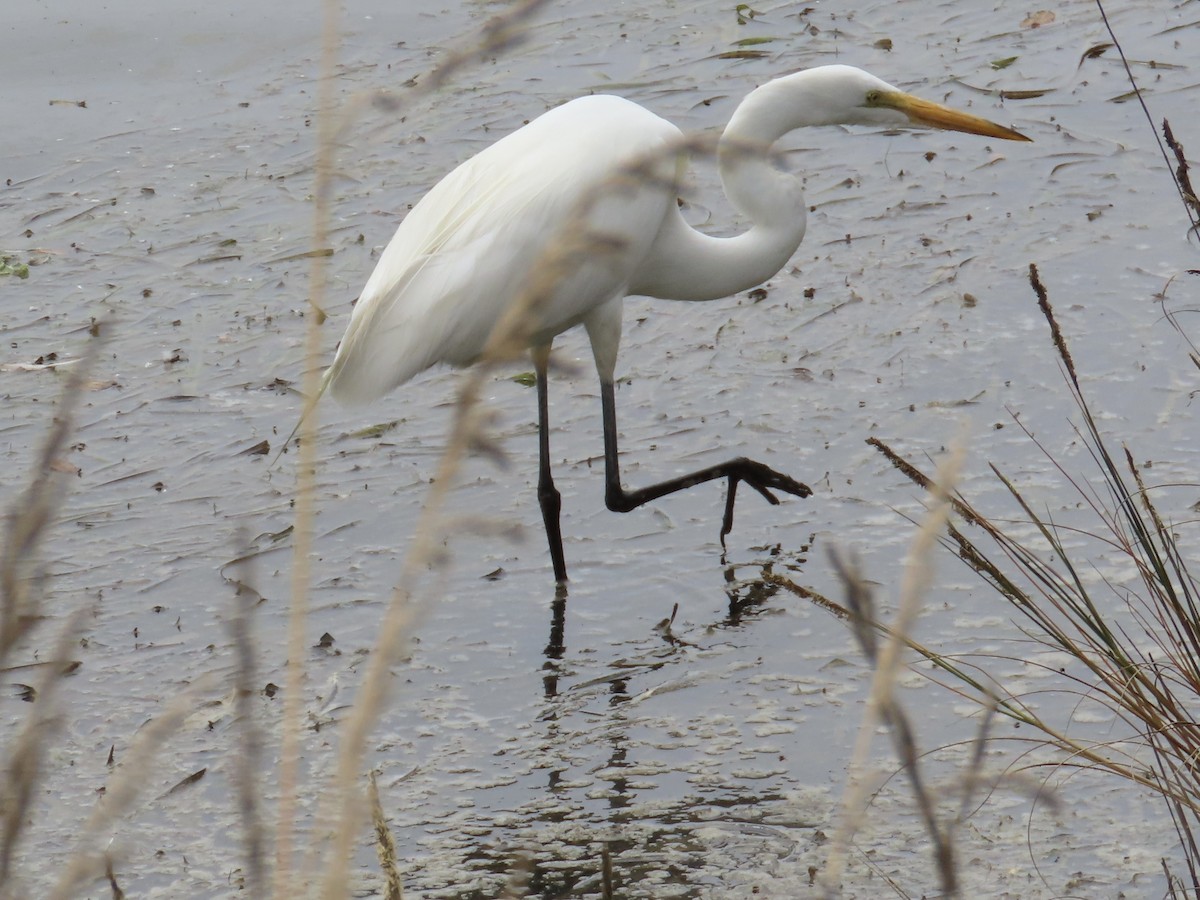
column 159, row 175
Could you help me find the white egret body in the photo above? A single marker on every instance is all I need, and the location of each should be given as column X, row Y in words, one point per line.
column 466, row 250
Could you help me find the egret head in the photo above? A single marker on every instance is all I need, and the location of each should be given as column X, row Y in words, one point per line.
column 928, row 114
column 880, row 103
column 845, row 95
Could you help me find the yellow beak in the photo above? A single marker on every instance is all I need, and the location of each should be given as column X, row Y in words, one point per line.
column 934, row 115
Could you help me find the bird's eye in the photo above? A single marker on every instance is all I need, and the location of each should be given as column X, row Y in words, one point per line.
column 872, row 98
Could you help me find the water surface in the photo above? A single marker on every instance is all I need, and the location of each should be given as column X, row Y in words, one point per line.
column 176, row 204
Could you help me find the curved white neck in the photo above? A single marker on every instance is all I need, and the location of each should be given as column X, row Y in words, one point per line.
column 688, row 265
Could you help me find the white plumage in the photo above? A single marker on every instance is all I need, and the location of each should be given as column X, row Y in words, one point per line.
column 465, row 250
column 470, row 246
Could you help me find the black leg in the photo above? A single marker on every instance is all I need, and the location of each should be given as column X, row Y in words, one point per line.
column 760, row 477
column 548, row 495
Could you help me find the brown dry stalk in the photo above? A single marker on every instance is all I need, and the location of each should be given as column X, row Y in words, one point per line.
column 1182, row 172
column 1056, row 335
column 1184, row 192
column 29, row 520
column 123, row 788
column 248, row 762
column 918, row 478
column 882, row 706
column 25, row 756
column 1142, row 665
column 284, row 886
column 385, row 844
column 346, row 793
column 33, row 512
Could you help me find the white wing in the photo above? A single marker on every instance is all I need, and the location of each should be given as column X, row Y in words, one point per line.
column 468, row 248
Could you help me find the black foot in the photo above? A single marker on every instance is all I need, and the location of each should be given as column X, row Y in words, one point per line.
column 764, row 480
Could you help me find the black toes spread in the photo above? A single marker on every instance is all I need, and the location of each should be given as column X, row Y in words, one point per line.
column 763, row 479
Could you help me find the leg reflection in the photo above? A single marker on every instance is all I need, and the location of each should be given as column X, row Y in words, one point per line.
column 557, row 645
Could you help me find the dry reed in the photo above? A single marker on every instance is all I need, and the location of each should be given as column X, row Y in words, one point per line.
column 1136, row 648
column 883, row 706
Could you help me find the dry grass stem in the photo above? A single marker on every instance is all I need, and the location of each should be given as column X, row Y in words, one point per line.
column 882, row 705
column 1056, row 335
column 1182, row 186
column 1138, row 657
column 302, row 537
column 1183, row 176
column 520, row 876
column 87, row 861
column 117, row 893
column 385, row 845
column 29, row 520
column 500, row 34
column 20, row 583
column 248, row 759
column 33, row 512
column 25, row 756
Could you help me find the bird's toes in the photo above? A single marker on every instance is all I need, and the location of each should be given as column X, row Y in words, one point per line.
column 762, row 489
column 796, row 488
column 787, row 484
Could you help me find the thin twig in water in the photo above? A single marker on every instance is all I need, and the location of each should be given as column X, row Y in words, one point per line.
column 249, row 757
column 1189, row 208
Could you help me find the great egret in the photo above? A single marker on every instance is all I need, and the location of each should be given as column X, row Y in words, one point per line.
column 467, row 248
